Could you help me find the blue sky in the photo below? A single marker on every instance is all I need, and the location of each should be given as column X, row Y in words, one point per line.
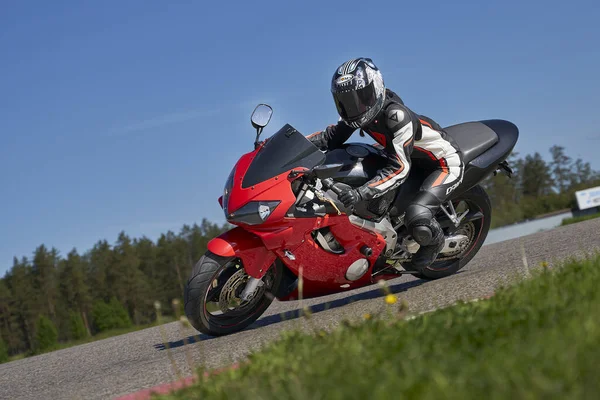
column 129, row 115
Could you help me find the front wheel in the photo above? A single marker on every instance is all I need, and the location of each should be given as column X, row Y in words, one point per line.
column 475, row 199
column 212, row 295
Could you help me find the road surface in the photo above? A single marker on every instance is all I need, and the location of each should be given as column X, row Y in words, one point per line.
column 116, row 366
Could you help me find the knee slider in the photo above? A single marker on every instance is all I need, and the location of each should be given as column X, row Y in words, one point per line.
column 418, row 221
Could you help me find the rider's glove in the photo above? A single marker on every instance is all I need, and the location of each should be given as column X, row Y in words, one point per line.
column 350, row 197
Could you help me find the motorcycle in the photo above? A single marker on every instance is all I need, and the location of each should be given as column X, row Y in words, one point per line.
column 293, row 238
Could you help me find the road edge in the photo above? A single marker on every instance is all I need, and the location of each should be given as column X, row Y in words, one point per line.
column 169, row 387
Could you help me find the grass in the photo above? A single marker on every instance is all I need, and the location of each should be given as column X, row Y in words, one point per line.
column 99, row 336
column 537, row 339
column 574, row 220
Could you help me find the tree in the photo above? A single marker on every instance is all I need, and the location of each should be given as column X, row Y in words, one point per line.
column 146, row 253
column 3, row 351
column 9, row 327
column 172, row 257
column 111, row 315
column 46, row 335
column 127, row 280
column 45, row 280
column 99, row 260
column 536, row 180
column 582, row 173
column 78, row 328
column 561, row 168
column 21, row 282
column 73, row 287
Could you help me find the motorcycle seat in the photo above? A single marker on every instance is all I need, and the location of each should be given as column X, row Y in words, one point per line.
column 473, row 138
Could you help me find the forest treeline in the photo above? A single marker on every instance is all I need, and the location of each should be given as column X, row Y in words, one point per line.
column 538, row 186
column 50, row 298
column 47, row 297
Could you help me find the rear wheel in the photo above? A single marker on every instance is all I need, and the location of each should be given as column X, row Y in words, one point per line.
column 475, row 200
column 212, row 295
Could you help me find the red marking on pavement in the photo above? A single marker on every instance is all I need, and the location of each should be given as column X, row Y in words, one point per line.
column 166, row 388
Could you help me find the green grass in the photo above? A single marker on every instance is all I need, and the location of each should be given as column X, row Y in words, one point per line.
column 537, row 339
column 574, row 220
column 98, row 336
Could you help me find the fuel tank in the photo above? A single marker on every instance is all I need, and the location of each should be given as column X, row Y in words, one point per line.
column 361, row 162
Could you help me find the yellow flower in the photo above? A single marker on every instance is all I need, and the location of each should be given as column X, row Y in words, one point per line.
column 544, row 264
column 367, row 316
column 391, row 299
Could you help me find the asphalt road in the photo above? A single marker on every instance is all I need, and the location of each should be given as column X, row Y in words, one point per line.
column 131, row 362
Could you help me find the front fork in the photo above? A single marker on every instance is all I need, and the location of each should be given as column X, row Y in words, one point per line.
column 250, row 289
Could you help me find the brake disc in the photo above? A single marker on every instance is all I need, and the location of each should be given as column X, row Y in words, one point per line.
column 229, row 298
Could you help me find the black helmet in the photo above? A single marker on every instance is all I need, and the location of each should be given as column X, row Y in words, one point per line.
column 358, row 91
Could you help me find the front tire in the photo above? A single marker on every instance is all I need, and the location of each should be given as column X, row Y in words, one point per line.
column 211, row 297
column 476, row 197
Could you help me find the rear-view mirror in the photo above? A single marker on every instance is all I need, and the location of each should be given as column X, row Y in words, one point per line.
column 261, row 116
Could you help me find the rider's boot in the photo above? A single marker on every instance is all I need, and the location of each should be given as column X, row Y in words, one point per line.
column 431, row 240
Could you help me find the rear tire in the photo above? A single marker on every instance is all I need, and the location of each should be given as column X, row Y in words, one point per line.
column 212, row 268
column 476, row 196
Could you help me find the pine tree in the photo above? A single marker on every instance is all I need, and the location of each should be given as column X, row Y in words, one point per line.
column 8, row 327
column 45, row 278
column 21, row 282
column 99, row 260
column 536, row 180
column 146, row 253
column 73, row 286
column 561, row 168
column 129, row 283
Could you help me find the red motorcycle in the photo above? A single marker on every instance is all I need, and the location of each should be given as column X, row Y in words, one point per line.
column 291, row 228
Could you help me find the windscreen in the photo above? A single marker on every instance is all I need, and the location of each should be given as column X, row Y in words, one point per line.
column 285, row 150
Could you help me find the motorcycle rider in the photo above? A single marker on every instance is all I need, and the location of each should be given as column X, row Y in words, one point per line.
column 363, row 102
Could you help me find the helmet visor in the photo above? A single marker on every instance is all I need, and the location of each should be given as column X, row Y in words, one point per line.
column 352, row 104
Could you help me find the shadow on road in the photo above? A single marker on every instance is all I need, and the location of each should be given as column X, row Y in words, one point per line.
column 294, row 314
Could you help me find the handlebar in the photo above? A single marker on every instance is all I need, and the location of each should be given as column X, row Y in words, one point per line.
column 330, row 184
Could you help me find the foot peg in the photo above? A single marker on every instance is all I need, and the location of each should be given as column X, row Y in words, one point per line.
column 504, row 168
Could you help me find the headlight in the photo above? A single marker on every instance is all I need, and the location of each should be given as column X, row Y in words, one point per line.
column 253, row 213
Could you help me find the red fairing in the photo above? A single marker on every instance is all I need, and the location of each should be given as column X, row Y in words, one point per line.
column 277, row 188
column 243, row 244
column 323, row 272
column 258, row 246
column 221, row 247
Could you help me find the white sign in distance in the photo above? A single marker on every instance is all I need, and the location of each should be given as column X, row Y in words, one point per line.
column 588, row 198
